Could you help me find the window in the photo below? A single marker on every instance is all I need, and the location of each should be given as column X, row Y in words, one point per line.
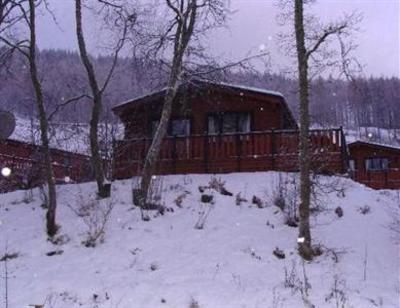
column 376, row 163
column 180, row 127
column 67, row 161
column 229, row 123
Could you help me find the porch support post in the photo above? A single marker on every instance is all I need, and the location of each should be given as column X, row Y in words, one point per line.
column 344, row 155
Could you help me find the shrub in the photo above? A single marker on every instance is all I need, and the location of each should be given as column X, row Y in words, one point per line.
column 286, row 195
column 364, row 209
column 239, row 199
column 279, row 253
column 95, row 215
column 257, row 201
column 194, row 303
column 9, row 256
column 339, row 211
column 218, row 185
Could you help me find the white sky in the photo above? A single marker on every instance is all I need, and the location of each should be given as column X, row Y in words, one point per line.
column 254, row 24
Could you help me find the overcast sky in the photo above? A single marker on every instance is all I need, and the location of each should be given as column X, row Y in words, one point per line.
column 254, row 24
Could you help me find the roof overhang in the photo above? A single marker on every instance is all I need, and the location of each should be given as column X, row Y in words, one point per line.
column 374, row 145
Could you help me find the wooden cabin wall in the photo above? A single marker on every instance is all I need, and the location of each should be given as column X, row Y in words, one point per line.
column 361, row 152
column 266, row 114
column 378, row 179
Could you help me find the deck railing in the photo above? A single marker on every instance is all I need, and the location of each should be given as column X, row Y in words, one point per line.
column 27, row 172
column 254, row 151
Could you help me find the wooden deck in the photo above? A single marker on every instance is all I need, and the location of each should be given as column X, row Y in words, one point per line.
column 255, row 151
column 28, row 170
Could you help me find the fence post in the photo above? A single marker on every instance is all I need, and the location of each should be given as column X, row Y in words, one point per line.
column 273, row 149
column 205, row 153
column 386, row 179
column 239, row 152
column 174, row 154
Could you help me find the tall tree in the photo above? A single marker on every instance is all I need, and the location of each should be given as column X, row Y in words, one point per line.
column 24, row 15
column 52, row 194
column 97, row 90
column 187, row 17
column 27, row 14
column 307, row 50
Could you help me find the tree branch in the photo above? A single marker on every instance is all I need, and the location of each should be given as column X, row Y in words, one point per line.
column 67, row 102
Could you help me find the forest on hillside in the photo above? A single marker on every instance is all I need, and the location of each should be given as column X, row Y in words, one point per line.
column 361, row 102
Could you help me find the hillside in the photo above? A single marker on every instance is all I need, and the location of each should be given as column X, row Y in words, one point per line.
column 167, row 262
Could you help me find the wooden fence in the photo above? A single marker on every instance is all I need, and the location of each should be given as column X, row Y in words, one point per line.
column 27, row 172
column 255, row 151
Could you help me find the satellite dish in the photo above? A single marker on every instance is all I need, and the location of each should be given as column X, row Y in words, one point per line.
column 7, row 124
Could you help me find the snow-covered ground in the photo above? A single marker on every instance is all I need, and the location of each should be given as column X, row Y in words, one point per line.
column 167, row 262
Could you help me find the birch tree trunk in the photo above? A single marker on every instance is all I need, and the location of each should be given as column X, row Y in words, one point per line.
column 304, row 240
column 185, row 22
column 52, row 194
column 96, row 158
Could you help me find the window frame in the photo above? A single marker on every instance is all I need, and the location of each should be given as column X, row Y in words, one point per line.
column 169, row 129
column 381, row 164
column 219, row 116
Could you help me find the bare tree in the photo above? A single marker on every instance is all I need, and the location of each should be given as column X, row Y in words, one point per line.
column 188, row 16
column 24, row 14
column 52, row 194
column 9, row 17
column 313, row 50
column 96, row 89
column 25, row 11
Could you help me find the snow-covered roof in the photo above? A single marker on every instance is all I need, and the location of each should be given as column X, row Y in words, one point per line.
column 198, row 81
column 245, row 88
column 140, row 97
column 374, row 136
column 379, row 144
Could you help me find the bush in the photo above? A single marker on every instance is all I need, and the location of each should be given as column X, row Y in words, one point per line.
column 257, row 201
column 194, row 303
column 339, row 211
column 240, row 199
column 218, row 185
column 364, row 209
column 9, row 256
column 286, row 195
column 95, row 215
column 279, row 253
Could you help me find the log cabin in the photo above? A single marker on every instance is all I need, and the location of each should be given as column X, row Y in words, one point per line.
column 375, row 165
column 27, row 169
column 220, row 128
